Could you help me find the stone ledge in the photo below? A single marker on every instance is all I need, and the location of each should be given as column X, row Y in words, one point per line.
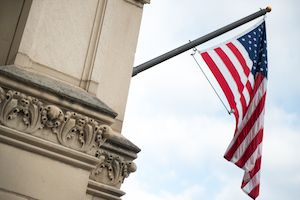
column 6, row 195
column 64, row 90
column 122, row 146
column 138, row 3
column 102, row 190
column 46, row 148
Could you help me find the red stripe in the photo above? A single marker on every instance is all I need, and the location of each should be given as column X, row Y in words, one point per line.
column 246, row 129
column 251, row 148
column 249, row 87
column 258, row 80
column 256, row 167
column 221, row 80
column 244, row 104
column 240, row 58
column 235, row 75
column 255, row 192
column 253, row 171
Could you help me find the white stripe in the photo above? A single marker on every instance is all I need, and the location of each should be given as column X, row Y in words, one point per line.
column 255, row 180
column 258, row 125
column 249, row 165
column 244, row 53
column 260, row 92
column 251, row 79
column 229, row 79
column 256, row 99
column 239, row 68
column 246, row 95
column 240, row 71
column 248, row 61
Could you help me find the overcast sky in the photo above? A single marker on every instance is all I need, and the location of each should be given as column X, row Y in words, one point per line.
column 181, row 126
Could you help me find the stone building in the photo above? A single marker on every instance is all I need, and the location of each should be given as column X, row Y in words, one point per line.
column 65, row 72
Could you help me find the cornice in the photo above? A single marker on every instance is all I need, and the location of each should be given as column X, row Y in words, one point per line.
column 56, row 90
column 138, row 3
column 104, row 191
column 34, row 125
column 35, row 119
column 31, row 115
column 46, row 148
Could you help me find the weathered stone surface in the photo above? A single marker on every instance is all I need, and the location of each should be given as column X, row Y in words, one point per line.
column 63, row 95
column 61, row 89
column 73, row 130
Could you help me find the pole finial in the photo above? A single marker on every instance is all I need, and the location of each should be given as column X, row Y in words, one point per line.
column 268, row 9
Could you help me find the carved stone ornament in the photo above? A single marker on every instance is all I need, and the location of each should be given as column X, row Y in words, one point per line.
column 30, row 115
column 112, row 170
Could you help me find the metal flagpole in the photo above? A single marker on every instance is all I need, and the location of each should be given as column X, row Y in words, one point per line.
column 197, row 42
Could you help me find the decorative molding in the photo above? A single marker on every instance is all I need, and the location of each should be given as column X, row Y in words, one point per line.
column 104, row 191
column 27, row 114
column 57, row 92
column 49, row 149
column 112, row 170
column 86, row 81
column 70, row 129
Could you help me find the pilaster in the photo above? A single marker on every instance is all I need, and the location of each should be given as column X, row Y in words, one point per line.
column 65, row 70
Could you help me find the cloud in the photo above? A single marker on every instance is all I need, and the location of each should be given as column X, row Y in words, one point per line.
column 181, row 126
column 138, row 190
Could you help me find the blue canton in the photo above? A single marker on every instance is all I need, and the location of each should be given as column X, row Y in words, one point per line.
column 255, row 42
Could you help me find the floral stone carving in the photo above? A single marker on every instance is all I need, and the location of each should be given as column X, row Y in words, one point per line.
column 30, row 115
column 112, row 170
column 70, row 129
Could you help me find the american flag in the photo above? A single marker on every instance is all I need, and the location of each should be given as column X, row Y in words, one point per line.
column 240, row 67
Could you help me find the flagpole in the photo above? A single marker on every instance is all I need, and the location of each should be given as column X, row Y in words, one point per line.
column 197, row 42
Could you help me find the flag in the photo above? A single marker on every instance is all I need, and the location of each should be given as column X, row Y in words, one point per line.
column 240, row 67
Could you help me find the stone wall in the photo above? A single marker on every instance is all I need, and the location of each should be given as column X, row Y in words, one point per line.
column 64, row 83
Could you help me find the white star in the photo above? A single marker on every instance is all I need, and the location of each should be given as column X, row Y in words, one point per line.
column 249, row 36
column 243, row 39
